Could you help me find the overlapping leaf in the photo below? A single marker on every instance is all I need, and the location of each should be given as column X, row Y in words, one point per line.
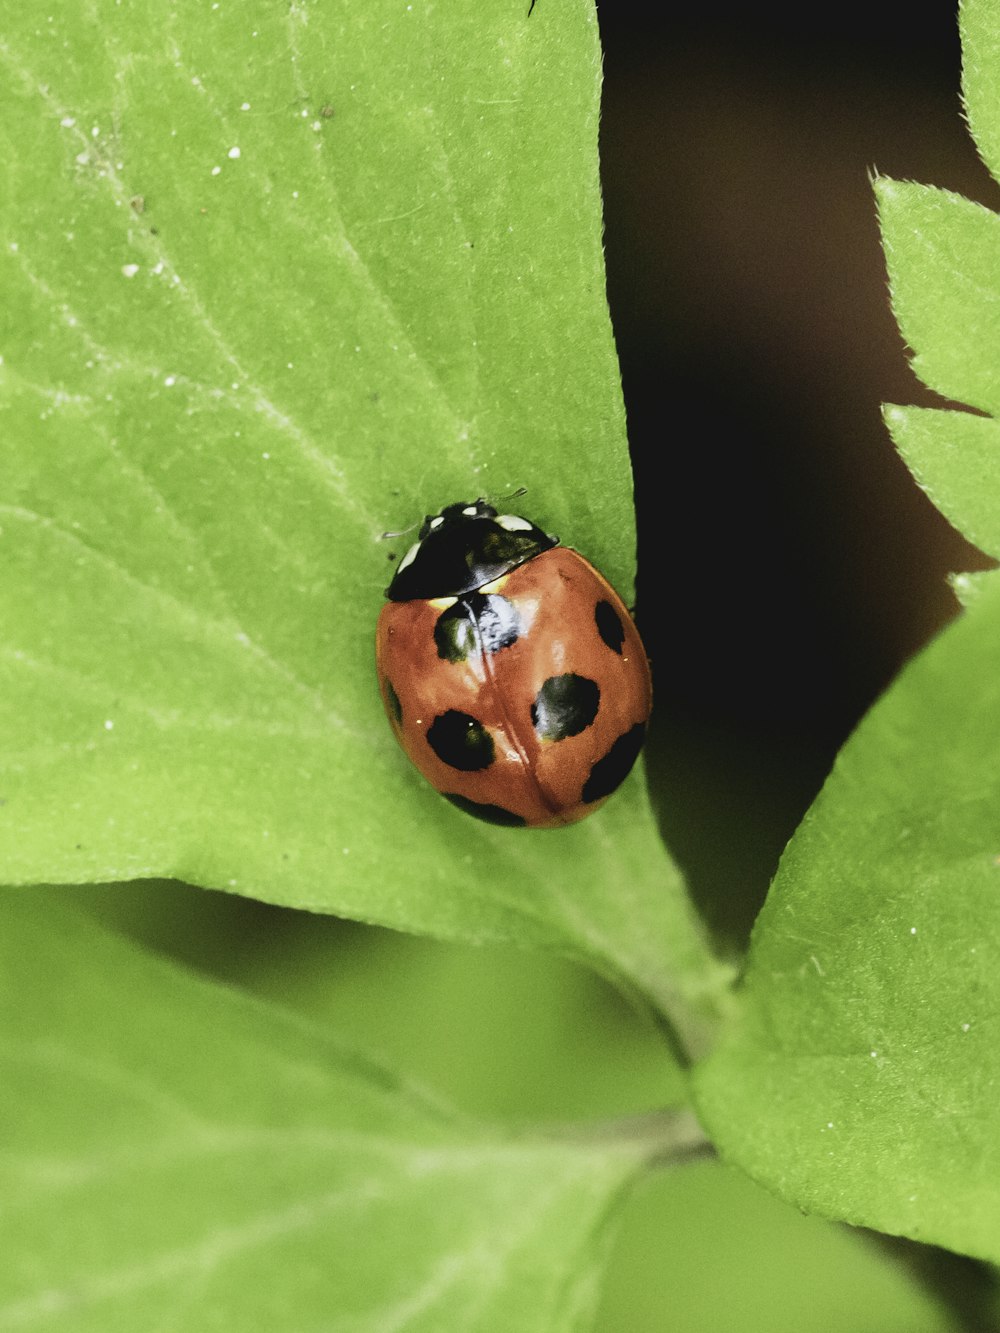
column 175, row 1155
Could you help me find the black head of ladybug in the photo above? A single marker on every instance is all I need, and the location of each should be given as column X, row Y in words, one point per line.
column 463, row 547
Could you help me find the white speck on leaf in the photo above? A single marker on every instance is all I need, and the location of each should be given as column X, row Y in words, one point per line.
column 234, row 152
column 130, row 270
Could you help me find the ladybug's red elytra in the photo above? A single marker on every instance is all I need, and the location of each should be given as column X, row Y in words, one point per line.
column 510, row 669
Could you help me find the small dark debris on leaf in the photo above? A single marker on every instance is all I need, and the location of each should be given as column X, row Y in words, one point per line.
column 326, row 111
column 137, row 203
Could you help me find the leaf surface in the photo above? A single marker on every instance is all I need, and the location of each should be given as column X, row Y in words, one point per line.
column 942, row 252
column 176, row 1155
column 955, row 458
column 868, row 1044
column 869, row 1030
column 979, row 21
column 943, row 256
column 276, row 279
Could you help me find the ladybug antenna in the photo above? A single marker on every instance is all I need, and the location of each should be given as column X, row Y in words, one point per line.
column 388, row 536
column 514, row 495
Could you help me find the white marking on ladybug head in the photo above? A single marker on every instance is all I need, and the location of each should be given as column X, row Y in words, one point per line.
column 470, row 511
column 436, row 522
column 512, row 523
column 409, row 557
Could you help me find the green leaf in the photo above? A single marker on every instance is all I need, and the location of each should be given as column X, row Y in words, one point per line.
column 955, row 458
column 968, row 587
column 980, row 26
column 868, row 1040
column 942, row 252
column 943, row 255
column 276, row 279
column 175, row 1153
column 704, row 1242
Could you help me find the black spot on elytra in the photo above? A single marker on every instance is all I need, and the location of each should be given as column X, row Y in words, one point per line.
column 492, row 814
column 476, row 618
column 609, row 626
column 395, row 707
column 609, row 773
column 460, row 741
column 565, row 706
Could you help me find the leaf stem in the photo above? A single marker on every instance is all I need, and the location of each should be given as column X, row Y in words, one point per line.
column 669, row 1137
column 689, row 1015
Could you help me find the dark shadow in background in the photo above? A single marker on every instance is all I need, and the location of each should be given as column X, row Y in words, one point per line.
column 788, row 565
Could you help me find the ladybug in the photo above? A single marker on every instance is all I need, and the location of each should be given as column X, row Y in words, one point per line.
column 510, row 670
